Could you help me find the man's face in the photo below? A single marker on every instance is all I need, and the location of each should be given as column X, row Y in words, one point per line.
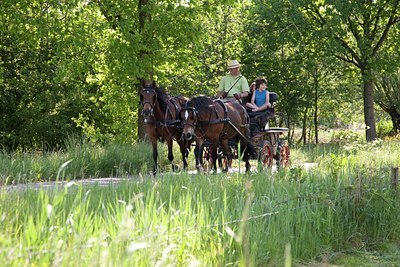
column 235, row 71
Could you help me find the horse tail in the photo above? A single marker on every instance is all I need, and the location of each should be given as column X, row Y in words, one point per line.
column 251, row 149
column 248, row 148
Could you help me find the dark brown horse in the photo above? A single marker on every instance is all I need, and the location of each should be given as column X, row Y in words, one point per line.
column 160, row 114
column 218, row 121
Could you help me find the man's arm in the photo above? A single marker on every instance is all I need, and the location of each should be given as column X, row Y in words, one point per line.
column 221, row 84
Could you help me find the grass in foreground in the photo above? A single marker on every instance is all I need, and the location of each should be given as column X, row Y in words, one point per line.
column 199, row 220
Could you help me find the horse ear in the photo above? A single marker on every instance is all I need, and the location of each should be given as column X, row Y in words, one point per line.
column 148, row 83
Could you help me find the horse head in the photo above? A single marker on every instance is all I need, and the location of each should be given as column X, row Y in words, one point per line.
column 148, row 99
column 188, row 118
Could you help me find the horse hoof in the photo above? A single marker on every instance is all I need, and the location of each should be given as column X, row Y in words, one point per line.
column 200, row 169
column 175, row 168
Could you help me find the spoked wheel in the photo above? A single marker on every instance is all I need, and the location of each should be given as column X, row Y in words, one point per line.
column 284, row 155
column 266, row 155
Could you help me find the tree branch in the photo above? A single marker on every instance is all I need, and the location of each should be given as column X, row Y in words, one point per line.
column 392, row 21
column 355, row 59
column 353, row 29
column 346, row 58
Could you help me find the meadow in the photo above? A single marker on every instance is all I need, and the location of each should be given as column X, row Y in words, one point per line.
column 342, row 212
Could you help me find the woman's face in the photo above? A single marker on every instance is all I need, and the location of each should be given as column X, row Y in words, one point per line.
column 263, row 86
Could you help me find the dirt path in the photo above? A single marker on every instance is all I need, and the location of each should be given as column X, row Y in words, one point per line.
column 61, row 184
column 109, row 181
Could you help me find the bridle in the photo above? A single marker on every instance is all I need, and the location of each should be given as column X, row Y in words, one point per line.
column 184, row 114
column 152, row 104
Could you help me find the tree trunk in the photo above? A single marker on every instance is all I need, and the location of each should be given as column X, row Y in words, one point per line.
column 316, row 105
column 369, row 112
column 395, row 116
column 143, row 17
column 303, row 136
column 141, row 128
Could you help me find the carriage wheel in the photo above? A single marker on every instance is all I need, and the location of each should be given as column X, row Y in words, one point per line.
column 284, row 155
column 266, row 155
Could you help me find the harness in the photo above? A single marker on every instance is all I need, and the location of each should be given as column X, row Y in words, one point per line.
column 225, row 120
column 171, row 105
column 166, row 124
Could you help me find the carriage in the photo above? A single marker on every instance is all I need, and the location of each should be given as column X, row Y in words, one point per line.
column 268, row 133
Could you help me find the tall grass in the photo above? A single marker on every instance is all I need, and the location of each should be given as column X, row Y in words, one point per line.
column 202, row 220
column 85, row 160
column 196, row 220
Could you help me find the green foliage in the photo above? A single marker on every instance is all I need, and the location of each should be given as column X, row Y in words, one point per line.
column 346, row 137
column 353, row 142
column 37, row 104
column 384, row 128
column 388, row 98
column 73, row 68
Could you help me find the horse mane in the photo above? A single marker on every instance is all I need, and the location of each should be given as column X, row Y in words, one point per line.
column 202, row 103
column 162, row 98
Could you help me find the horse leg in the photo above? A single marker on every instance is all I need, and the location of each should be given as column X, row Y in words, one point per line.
column 246, row 154
column 228, row 155
column 198, row 154
column 170, row 154
column 184, row 147
column 155, row 154
column 214, row 154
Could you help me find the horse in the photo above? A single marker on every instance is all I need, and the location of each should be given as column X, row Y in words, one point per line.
column 216, row 120
column 160, row 114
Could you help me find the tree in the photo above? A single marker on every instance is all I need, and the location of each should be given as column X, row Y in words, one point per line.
column 388, row 98
column 355, row 32
column 148, row 40
column 288, row 55
column 37, row 103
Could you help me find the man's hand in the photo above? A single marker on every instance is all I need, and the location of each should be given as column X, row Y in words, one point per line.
column 238, row 96
column 221, row 94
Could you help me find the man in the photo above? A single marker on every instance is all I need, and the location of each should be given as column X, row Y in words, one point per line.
column 233, row 84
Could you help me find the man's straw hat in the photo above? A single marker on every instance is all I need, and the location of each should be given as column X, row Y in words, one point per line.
column 233, row 64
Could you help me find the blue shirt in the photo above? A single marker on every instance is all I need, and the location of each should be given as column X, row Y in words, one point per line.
column 260, row 98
